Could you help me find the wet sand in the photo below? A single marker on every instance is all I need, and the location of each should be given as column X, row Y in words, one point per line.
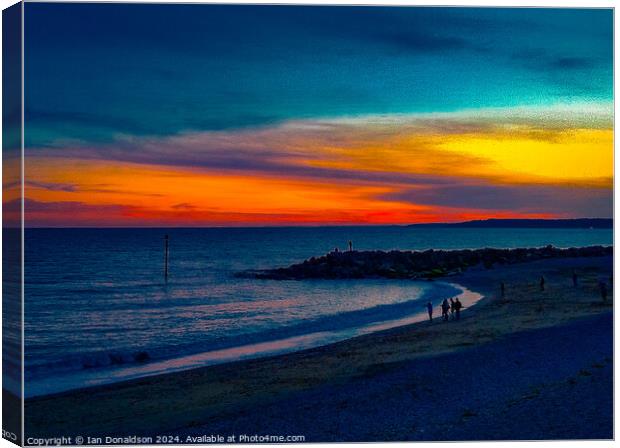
column 397, row 384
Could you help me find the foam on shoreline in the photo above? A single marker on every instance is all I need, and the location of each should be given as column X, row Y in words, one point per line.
column 116, row 374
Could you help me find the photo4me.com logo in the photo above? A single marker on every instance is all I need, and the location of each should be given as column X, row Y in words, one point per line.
column 256, row 438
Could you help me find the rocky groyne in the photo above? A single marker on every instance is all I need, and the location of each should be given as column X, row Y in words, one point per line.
column 426, row 264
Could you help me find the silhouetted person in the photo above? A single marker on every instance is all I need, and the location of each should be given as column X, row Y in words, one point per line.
column 574, row 278
column 542, row 283
column 603, row 287
column 350, row 246
column 336, row 250
column 503, row 289
column 445, row 307
column 429, row 309
column 457, row 306
column 452, row 308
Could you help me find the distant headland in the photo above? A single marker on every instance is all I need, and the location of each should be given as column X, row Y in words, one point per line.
column 579, row 223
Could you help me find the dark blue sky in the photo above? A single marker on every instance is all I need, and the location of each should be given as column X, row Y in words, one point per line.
column 97, row 71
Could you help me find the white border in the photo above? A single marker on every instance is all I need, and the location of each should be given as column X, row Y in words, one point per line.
column 480, row 3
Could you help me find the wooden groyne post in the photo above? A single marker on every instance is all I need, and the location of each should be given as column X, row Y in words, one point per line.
column 166, row 257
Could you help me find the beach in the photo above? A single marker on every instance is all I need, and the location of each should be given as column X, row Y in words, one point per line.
column 532, row 364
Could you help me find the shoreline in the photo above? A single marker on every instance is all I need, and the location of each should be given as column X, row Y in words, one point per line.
column 191, row 398
column 251, row 351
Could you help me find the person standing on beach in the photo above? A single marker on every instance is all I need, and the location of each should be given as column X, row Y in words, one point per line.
column 542, row 283
column 452, row 308
column 429, row 308
column 457, row 306
column 350, row 246
column 444, row 309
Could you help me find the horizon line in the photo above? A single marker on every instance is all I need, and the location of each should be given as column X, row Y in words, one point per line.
column 309, row 225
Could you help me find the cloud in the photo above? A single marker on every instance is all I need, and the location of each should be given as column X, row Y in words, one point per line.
column 74, row 188
column 34, row 206
column 183, row 206
column 530, row 199
column 572, row 73
column 569, row 63
column 52, row 186
column 396, row 148
column 528, row 160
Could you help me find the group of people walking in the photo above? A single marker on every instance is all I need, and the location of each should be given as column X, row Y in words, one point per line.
column 449, row 310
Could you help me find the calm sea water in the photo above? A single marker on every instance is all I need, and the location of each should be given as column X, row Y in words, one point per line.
column 98, row 310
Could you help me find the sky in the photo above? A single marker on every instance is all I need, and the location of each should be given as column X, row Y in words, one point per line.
column 222, row 115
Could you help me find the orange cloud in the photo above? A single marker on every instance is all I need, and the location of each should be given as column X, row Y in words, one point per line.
column 519, row 156
column 352, row 170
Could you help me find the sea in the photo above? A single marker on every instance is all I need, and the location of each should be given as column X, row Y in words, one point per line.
column 98, row 309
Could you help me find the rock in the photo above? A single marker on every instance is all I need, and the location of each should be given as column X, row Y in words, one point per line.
column 415, row 264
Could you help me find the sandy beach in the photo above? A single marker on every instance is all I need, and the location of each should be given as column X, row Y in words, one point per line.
column 530, row 365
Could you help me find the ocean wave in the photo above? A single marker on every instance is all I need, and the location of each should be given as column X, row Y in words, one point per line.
column 342, row 321
column 91, row 360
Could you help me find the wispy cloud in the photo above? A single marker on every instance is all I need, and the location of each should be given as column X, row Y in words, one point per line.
column 52, row 186
column 404, row 148
column 533, row 161
column 561, row 201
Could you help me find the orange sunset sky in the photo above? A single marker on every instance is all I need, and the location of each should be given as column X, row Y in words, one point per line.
column 284, row 118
